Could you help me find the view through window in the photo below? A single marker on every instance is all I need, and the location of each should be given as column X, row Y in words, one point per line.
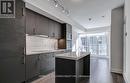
column 96, row 43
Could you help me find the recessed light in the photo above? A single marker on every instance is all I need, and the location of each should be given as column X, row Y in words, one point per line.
column 90, row 19
column 103, row 16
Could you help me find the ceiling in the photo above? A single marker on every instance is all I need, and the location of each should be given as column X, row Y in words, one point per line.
column 91, row 13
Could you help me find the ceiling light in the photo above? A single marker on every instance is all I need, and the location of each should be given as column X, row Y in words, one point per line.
column 90, row 19
column 103, row 16
column 56, row 5
column 63, row 10
column 61, row 6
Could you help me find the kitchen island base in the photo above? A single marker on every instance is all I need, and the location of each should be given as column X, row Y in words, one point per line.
column 72, row 71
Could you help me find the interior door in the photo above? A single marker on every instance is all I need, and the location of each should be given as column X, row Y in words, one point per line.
column 12, row 43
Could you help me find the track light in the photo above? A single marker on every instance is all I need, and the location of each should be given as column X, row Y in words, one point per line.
column 58, row 4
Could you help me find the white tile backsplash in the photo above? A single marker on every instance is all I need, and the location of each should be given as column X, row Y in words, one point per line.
column 34, row 43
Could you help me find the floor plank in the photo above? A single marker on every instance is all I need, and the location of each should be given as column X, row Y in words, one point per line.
column 100, row 72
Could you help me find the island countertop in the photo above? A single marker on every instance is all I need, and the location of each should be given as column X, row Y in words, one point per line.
column 72, row 55
column 44, row 51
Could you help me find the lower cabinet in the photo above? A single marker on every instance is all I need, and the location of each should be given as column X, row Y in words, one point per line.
column 32, row 66
column 39, row 65
column 12, row 70
column 47, row 63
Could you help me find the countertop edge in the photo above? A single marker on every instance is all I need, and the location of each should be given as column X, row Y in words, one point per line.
column 72, row 58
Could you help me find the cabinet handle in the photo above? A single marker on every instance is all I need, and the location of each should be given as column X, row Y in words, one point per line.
column 23, row 60
column 38, row 58
column 24, row 53
column 53, row 34
column 125, row 33
column 23, row 12
column 34, row 31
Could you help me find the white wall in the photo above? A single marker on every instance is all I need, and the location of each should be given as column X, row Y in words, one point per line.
column 127, row 60
column 99, row 30
column 47, row 7
column 117, row 19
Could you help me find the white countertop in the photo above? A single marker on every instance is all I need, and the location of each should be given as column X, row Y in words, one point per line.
column 43, row 51
column 72, row 55
column 68, row 55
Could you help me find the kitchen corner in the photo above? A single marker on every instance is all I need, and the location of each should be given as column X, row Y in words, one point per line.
column 45, row 38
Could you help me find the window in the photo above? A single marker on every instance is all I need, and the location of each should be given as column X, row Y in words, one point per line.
column 94, row 43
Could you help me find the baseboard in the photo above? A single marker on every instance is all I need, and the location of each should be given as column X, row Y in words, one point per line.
column 125, row 78
column 114, row 70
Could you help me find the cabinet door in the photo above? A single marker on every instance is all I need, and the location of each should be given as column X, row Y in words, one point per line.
column 57, row 30
column 12, row 70
column 51, row 28
column 46, row 64
column 42, row 25
column 32, row 66
column 30, row 22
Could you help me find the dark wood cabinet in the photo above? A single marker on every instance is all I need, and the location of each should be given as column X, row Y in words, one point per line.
column 37, row 24
column 12, row 70
column 32, row 66
column 51, row 28
column 66, row 41
column 30, row 22
column 42, row 25
column 12, row 44
column 47, row 63
column 76, row 70
column 57, row 30
column 54, row 29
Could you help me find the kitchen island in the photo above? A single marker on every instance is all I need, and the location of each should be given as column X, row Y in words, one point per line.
column 72, row 67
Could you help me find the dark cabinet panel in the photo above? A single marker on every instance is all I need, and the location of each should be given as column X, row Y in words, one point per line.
column 42, row 24
column 54, row 29
column 47, row 63
column 65, row 66
column 57, row 30
column 37, row 24
column 51, row 28
column 66, row 31
column 30, row 22
column 12, row 43
column 78, row 69
column 12, row 70
column 32, row 66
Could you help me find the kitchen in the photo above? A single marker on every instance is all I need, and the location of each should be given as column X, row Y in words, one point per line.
column 32, row 46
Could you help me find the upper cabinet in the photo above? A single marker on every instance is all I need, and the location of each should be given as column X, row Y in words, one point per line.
column 54, row 29
column 42, row 25
column 57, row 30
column 66, row 41
column 51, row 28
column 30, row 22
column 37, row 24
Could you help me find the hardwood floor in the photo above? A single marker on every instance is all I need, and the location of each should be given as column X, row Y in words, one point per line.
column 100, row 73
